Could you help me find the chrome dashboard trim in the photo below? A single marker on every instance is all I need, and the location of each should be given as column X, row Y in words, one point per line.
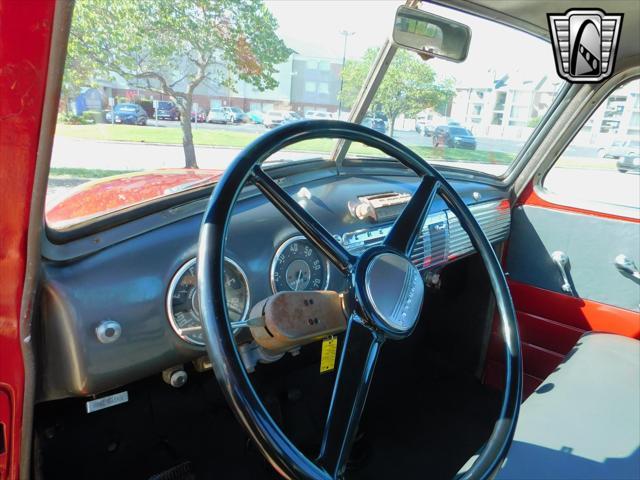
column 454, row 243
column 281, row 248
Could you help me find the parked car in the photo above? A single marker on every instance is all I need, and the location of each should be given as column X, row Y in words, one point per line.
column 291, row 116
column 628, row 163
column 167, row 110
column 453, row 136
column 256, row 116
column 201, row 117
column 318, row 115
column 375, row 123
column 621, row 148
column 235, row 115
column 275, row 118
column 130, row 113
column 216, row 115
column 426, row 123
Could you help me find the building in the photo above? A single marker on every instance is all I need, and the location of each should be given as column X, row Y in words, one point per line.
column 315, row 84
column 507, row 108
column 304, row 84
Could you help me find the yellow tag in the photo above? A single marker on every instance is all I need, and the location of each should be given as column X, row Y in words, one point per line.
column 328, row 355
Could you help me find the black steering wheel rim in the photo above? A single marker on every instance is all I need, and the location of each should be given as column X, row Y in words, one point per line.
column 227, row 364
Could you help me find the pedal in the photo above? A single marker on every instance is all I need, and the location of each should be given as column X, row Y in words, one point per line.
column 182, row 471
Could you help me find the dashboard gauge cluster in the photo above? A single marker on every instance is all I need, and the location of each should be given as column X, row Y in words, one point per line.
column 183, row 308
column 297, row 265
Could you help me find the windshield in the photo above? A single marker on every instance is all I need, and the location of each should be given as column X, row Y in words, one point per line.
column 173, row 62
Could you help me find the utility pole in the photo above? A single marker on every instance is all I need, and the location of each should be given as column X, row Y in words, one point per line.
column 346, row 35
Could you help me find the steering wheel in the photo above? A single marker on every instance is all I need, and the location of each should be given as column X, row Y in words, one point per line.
column 384, row 297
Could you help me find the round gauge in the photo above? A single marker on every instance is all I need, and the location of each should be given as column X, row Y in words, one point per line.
column 297, row 265
column 182, row 300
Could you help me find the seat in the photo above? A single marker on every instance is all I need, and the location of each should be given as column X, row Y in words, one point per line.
column 583, row 422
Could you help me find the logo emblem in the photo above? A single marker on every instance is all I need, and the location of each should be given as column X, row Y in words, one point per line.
column 585, row 43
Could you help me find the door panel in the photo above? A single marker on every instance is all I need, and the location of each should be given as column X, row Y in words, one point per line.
column 591, row 243
column 550, row 320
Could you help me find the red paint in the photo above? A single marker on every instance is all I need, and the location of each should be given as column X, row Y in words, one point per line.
column 25, row 35
column 530, row 197
column 115, row 193
column 581, row 314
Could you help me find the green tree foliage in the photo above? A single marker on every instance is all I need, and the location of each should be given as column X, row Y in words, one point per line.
column 173, row 46
column 408, row 87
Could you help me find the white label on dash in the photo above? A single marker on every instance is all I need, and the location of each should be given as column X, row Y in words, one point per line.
column 106, row 402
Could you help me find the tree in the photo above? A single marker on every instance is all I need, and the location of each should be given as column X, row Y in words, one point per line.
column 409, row 85
column 173, row 46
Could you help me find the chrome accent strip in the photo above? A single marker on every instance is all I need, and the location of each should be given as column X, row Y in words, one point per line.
column 455, row 243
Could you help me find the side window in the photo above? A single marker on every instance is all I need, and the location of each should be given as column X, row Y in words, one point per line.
column 601, row 166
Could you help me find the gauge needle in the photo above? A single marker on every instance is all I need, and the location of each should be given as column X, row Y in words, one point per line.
column 298, row 280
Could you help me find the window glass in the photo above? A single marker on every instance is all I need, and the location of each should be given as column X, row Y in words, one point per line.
column 601, row 166
column 310, row 87
column 323, row 87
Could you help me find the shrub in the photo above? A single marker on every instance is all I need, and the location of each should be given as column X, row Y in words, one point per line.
column 71, row 119
column 92, row 116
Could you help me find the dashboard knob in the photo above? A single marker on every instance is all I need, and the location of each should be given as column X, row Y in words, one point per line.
column 108, row 331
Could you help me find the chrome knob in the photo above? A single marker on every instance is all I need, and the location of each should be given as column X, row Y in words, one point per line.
column 108, row 331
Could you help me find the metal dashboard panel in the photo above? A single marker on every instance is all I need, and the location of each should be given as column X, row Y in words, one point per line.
column 128, row 281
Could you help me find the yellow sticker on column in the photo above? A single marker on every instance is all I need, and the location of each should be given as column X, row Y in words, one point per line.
column 328, row 355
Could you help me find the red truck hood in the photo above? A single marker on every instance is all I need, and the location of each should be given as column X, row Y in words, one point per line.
column 99, row 197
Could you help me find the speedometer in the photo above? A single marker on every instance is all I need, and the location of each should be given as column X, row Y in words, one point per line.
column 183, row 308
column 297, row 265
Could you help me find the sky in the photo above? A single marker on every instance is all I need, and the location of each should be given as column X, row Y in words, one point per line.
column 312, row 28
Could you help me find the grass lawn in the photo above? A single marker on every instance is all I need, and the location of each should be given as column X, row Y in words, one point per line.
column 84, row 173
column 230, row 139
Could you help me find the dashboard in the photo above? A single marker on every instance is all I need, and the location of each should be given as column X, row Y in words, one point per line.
column 123, row 304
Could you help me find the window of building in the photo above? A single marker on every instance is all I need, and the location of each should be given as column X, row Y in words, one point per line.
column 312, row 65
column 497, row 118
column 324, row 66
column 476, row 110
column 501, row 98
column 255, row 106
column 323, row 87
column 310, row 87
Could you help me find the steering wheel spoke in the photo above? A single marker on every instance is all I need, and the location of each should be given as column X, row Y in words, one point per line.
column 408, row 225
column 355, row 372
column 303, row 221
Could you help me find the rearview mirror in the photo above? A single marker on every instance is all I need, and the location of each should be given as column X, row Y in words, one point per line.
column 424, row 32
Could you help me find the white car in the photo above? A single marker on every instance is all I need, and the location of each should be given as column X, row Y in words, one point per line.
column 318, row 115
column 216, row 115
column 278, row 117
